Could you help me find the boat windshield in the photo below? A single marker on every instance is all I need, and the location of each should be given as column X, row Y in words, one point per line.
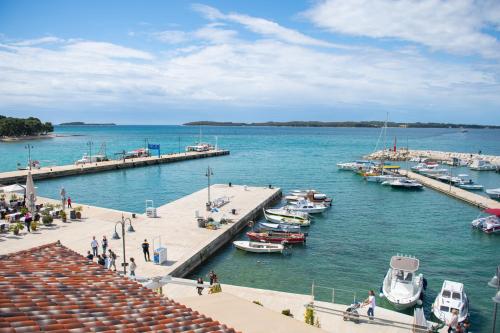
column 405, row 277
column 444, row 308
column 456, row 296
column 446, row 293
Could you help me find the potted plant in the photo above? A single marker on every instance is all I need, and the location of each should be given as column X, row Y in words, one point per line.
column 47, row 219
column 23, row 210
column 16, row 227
column 63, row 215
column 78, row 210
column 34, row 225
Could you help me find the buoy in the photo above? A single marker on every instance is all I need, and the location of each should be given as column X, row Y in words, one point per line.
column 381, row 295
column 419, row 302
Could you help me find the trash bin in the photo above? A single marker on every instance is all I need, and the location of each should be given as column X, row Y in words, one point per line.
column 72, row 214
column 160, row 255
column 233, row 211
column 201, row 223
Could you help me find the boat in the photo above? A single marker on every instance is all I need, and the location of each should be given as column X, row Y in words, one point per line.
column 278, row 227
column 465, row 182
column 356, row 165
column 404, row 183
column 200, row 147
column 451, row 297
column 402, row 285
column 307, row 207
column 311, row 195
column 91, row 159
column 382, row 178
column 489, row 224
column 136, row 153
column 277, row 237
column 424, row 165
column 257, row 247
column 482, row 165
column 494, row 193
column 285, row 216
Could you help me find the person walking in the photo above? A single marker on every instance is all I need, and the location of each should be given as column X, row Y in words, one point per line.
column 95, row 246
column 112, row 260
column 69, row 202
column 213, row 277
column 104, row 244
column 199, row 287
column 133, row 267
column 90, row 256
column 27, row 221
column 452, row 324
column 370, row 301
column 145, row 250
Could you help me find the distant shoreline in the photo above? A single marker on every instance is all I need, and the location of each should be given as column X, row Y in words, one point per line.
column 34, row 137
column 351, row 124
column 81, row 123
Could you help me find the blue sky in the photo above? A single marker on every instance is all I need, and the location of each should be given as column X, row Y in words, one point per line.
column 168, row 62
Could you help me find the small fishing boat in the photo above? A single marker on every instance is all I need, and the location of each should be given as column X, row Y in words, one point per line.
column 257, row 247
column 286, row 216
column 91, row 159
column 494, row 193
column 465, row 182
column 404, row 183
column 277, row 237
column 482, row 165
column 402, row 286
column 311, row 195
column 278, row 227
column 451, row 297
column 356, row 165
column 489, row 224
column 307, row 207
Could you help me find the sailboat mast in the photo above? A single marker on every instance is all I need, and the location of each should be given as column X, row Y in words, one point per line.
column 385, row 142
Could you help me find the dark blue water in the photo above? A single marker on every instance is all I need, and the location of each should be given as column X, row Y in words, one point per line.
column 348, row 248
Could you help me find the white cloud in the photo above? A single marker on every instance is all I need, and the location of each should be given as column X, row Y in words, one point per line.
column 211, row 33
column 171, row 36
column 453, row 26
column 39, row 41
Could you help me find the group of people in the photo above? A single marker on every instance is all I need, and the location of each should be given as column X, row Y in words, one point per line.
column 455, row 326
column 109, row 260
column 199, row 282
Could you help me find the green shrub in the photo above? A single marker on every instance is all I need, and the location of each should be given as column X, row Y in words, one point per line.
column 47, row 219
column 287, row 312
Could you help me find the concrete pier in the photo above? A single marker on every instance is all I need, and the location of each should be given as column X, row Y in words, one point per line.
column 453, row 191
column 176, row 226
column 19, row 176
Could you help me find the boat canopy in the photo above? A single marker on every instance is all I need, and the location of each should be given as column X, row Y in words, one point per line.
column 494, row 211
column 392, row 167
column 406, row 264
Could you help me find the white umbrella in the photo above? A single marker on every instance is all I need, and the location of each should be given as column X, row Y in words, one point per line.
column 16, row 188
column 30, row 193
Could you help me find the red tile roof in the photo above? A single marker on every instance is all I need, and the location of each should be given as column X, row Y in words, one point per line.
column 54, row 289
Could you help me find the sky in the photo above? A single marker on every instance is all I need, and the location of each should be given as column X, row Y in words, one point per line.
column 170, row 62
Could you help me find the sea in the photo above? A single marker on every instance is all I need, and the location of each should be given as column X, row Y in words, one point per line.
column 349, row 246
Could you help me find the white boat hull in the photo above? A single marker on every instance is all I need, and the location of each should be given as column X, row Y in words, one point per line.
column 286, row 220
column 256, row 247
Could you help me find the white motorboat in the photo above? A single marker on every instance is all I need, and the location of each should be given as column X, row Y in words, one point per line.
column 91, row 159
column 286, row 216
column 356, row 165
column 404, row 183
column 311, row 195
column 307, row 206
column 451, row 297
column 422, row 165
column 494, row 193
column 200, row 147
column 402, row 285
column 258, row 247
column 482, row 165
column 489, row 224
column 382, row 178
column 465, row 182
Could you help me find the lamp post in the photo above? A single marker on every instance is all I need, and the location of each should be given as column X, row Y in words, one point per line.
column 495, row 283
column 89, row 144
column 29, row 147
column 208, row 174
column 123, row 222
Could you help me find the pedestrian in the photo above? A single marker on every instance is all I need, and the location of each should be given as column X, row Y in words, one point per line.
column 104, row 244
column 90, row 256
column 133, row 267
column 452, row 324
column 95, row 246
column 27, row 221
column 199, row 284
column 112, row 260
column 63, row 197
column 145, row 250
column 466, row 326
column 213, row 277
column 69, row 202
column 100, row 260
column 370, row 301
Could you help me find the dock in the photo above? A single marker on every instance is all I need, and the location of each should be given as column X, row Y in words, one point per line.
column 453, row 191
column 19, row 176
column 175, row 228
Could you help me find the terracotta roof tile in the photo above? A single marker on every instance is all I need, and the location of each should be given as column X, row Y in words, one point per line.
column 51, row 288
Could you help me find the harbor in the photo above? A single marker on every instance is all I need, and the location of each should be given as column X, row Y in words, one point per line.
column 19, row 176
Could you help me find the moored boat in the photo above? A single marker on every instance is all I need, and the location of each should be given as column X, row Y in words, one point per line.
column 278, row 227
column 482, row 165
column 404, row 183
column 258, row 247
column 277, row 237
column 489, row 224
column 402, row 286
column 307, row 207
column 286, row 216
column 451, row 297
column 311, row 195
column 493, row 193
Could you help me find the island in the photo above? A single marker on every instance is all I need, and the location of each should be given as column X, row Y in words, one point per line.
column 81, row 123
column 24, row 128
column 374, row 124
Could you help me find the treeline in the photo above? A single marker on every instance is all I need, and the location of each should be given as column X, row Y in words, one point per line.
column 10, row 126
column 375, row 124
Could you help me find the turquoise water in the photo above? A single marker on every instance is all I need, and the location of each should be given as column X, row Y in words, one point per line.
column 348, row 248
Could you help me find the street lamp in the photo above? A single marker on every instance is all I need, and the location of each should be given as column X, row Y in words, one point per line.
column 209, row 173
column 495, row 283
column 29, row 147
column 123, row 222
column 89, row 144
